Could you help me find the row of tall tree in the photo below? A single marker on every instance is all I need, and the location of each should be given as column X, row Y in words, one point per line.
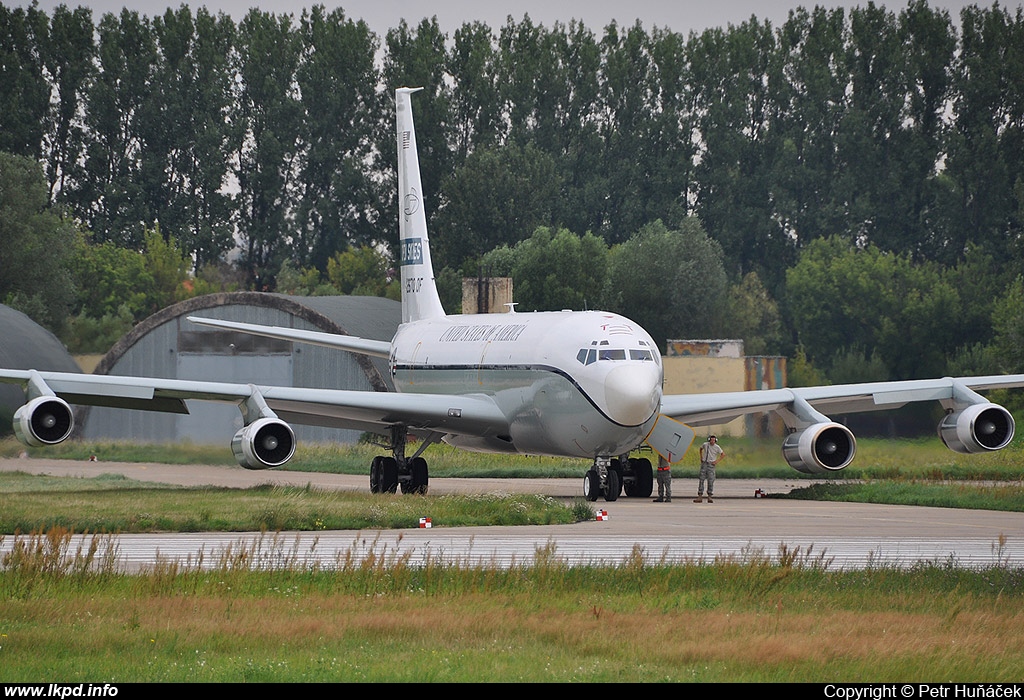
column 897, row 135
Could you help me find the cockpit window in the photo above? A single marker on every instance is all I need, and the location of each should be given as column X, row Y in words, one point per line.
column 602, row 353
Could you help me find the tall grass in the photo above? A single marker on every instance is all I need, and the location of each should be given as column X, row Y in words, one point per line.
column 784, row 617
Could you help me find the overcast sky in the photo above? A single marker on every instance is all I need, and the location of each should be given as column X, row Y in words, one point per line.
column 679, row 15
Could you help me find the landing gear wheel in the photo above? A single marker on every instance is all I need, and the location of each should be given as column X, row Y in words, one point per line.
column 644, row 472
column 375, row 474
column 612, row 493
column 420, row 477
column 615, row 466
column 388, row 475
column 591, row 485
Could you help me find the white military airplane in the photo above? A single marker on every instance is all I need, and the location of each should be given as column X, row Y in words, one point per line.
column 575, row 384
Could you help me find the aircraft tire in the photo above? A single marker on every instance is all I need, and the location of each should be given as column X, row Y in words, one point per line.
column 644, row 477
column 375, row 474
column 616, row 466
column 388, row 475
column 420, row 477
column 591, row 485
column 612, row 493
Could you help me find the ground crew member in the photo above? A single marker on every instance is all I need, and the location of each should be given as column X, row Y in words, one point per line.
column 664, row 481
column 711, row 454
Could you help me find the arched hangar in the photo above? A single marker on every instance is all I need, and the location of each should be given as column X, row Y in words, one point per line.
column 24, row 344
column 168, row 345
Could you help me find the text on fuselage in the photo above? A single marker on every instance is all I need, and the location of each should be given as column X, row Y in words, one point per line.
column 484, row 332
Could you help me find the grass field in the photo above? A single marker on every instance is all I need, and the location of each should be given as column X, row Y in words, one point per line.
column 67, row 617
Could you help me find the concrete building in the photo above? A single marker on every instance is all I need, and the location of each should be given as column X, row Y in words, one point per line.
column 168, row 345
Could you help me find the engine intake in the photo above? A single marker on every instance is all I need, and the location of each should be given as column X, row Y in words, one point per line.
column 820, row 449
column 263, row 444
column 982, row 427
column 45, row 420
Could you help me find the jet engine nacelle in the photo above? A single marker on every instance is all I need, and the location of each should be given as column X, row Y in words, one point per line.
column 263, row 444
column 982, row 427
column 819, row 449
column 45, row 420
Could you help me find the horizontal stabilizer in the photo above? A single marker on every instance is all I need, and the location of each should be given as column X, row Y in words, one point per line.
column 365, row 346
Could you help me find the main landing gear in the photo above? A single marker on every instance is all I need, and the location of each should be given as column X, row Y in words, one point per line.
column 388, row 474
column 611, row 476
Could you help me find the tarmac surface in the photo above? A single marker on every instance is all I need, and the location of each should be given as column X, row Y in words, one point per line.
column 738, row 525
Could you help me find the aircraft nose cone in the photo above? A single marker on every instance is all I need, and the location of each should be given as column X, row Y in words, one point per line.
column 632, row 393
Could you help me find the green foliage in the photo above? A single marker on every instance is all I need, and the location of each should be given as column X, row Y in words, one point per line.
column 552, row 270
column 801, row 372
column 301, row 282
column 338, row 202
column 89, row 335
column 23, row 84
column 1008, row 323
column 169, row 267
column 108, row 278
column 853, row 365
column 497, row 197
column 359, row 271
column 900, row 313
column 449, row 289
column 111, row 279
column 752, row 314
column 977, row 359
column 267, row 113
column 671, row 282
column 37, row 246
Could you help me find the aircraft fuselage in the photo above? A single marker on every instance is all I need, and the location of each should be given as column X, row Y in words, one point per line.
column 575, row 384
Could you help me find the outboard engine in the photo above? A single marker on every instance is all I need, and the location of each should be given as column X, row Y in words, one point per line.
column 263, row 444
column 981, row 427
column 819, row 449
column 45, row 420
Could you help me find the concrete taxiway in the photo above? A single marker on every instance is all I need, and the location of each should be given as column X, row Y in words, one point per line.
column 738, row 524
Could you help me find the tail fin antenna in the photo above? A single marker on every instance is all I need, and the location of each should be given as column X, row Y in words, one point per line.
column 419, row 292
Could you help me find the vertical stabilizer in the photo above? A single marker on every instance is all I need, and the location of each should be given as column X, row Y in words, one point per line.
column 419, row 293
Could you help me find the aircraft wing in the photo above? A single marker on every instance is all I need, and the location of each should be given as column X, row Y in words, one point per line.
column 475, row 415
column 710, row 409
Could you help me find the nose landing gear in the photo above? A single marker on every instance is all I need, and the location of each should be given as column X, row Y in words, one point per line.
column 602, row 480
column 611, row 476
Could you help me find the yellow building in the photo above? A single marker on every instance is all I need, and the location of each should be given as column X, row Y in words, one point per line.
column 709, row 366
